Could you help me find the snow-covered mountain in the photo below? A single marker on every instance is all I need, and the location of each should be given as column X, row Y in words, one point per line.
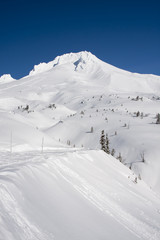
column 114, row 79
column 54, row 108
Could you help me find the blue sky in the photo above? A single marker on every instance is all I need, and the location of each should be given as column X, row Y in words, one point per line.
column 125, row 34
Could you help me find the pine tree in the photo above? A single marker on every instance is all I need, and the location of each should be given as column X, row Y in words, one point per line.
column 113, row 152
column 107, row 150
column 158, row 119
column 102, row 141
column 119, row 157
column 135, row 180
column 138, row 114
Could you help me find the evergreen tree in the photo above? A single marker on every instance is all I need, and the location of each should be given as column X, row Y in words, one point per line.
column 158, row 119
column 119, row 157
column 138, row 114
column 102, row 141
column 135, row 180
column 107, row 150
column 113, row 152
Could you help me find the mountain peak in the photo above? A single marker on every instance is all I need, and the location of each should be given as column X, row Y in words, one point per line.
column 70, row 58
column 73, row 57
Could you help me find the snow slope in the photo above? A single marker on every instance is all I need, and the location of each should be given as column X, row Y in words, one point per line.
column 74, row 195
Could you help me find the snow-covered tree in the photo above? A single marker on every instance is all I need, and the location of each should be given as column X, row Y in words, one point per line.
column 107, row 150
column 102, row 141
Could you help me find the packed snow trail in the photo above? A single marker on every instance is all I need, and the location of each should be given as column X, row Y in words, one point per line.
column 72, row 195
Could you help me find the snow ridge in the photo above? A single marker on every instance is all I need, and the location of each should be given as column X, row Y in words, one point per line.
column 6, row 78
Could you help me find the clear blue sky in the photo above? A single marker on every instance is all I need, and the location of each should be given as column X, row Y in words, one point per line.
column 123, row 33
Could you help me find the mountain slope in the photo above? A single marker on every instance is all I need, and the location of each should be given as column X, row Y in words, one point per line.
column 117, row 79
column 61, row 100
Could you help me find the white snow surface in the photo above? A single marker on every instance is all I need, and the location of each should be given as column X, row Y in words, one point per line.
column 74, row 195
column 79, row 193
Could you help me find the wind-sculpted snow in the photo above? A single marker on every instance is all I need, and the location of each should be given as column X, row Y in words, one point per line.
column 74, row 195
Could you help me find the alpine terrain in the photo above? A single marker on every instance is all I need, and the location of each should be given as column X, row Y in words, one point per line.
column 79, row 152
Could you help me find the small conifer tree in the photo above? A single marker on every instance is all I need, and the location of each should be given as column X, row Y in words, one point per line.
column 102, row 141
column 135, row 180
column 138, row 114
column 107, row 150
column 119, row 157
column 113, row 152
